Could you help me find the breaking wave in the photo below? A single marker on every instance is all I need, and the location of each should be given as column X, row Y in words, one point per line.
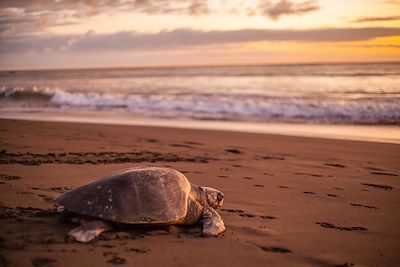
column 357, row 109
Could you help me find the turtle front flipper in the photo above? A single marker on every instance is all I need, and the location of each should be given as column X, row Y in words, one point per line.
column 212, row 222
column 89, row 231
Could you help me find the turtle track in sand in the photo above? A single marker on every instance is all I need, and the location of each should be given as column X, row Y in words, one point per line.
column 97, row 158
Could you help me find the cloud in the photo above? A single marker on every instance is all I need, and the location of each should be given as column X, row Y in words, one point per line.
column 376, row 19
column 275, row 10
column 26, row 16
column 396, row 2
column 181, row 38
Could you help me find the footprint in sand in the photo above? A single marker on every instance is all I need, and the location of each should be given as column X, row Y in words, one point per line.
column 258, row 185
column 193, row 143
column 43, row 262
column 267, row 217
column 182, row 145
column 6, row 177
column 233, row 151
column 336, row 165
column 247, row 215
column 274, row 157
column 309, row 193
column 342, row 228
column 138, row 250
column 384, row 173
column 363, row 206
column 242, row 213
column 275, row 249
column 380, row 186
column 232, row 210
column 331, row 195
column 117, row 260
column 309, row 174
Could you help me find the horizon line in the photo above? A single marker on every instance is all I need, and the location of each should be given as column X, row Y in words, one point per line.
column 162, row 66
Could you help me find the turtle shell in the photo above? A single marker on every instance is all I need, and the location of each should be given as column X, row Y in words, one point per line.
column 142, row 195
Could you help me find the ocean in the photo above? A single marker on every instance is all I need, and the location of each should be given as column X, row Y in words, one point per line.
column 326, row 94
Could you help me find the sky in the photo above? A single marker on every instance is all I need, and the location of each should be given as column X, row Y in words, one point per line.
column 46, row 34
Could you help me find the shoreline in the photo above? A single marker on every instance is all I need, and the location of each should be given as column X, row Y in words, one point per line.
column 367, row 133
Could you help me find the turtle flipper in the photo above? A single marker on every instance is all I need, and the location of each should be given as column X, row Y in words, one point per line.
column 212, row 222
column 89, row 231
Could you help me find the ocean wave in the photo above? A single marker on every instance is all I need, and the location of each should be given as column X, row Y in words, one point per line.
column 219, row 106
column 31, row 93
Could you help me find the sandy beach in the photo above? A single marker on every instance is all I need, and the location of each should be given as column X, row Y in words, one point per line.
column 289, row 201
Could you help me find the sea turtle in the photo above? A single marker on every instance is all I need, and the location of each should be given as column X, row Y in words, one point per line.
column 142, row 196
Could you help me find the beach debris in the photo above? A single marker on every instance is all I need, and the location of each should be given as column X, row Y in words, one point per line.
column 146, row 196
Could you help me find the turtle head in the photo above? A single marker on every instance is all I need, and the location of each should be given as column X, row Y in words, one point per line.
column 214, row 197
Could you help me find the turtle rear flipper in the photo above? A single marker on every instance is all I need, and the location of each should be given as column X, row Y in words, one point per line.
column 89, row 231
column 212, row 222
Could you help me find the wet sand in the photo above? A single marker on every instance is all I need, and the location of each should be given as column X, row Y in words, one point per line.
column 289, row 201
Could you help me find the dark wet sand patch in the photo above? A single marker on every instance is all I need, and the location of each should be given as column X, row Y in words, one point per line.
column 380, row 186
column 342, row 228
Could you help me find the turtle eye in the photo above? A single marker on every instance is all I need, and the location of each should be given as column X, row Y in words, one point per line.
column 220, row 196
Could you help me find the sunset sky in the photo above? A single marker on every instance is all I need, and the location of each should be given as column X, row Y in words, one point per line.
column 87, row 33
